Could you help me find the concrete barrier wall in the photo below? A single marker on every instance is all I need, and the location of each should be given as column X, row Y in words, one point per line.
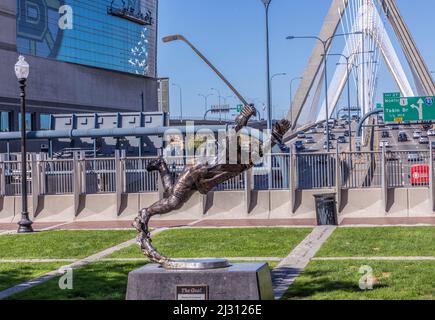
column 276, row 204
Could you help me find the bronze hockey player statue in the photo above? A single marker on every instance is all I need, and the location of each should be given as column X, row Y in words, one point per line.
column 201, row 177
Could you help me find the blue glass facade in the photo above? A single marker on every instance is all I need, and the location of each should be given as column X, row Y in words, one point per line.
column 87, row 32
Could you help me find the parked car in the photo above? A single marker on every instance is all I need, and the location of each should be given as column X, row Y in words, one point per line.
column 423, row 140
column 313, row 130
column 385, row 134
column 341, row 139
column 402, row 137
column 346, row 134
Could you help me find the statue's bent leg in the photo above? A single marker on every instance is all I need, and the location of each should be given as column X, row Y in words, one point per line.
column 163, row 206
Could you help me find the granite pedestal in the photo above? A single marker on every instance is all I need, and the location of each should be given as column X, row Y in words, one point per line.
column 239, row 281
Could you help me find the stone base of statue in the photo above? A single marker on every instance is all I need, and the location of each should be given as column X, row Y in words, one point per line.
column 238, row 281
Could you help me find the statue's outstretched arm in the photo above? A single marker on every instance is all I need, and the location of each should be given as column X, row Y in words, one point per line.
column 244, row 116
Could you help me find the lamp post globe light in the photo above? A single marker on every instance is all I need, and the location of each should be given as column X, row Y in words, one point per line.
column 22, row 70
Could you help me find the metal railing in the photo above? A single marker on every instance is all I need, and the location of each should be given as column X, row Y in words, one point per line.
column 315, row 171
column 56, row 177
column 11, row 178
column 356, row 170
column 361, row 170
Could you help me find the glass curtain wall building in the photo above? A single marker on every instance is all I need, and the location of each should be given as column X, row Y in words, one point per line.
column 115, row 35
column 85, row 56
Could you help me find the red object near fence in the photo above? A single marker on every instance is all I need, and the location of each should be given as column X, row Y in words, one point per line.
column 420, row 174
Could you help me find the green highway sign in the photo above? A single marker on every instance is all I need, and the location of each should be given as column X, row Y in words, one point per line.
column 400, row 109
column 239, row 108
column 379, row 106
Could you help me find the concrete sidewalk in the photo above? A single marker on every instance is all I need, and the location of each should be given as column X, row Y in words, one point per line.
column 118, row 224
column 290, row 267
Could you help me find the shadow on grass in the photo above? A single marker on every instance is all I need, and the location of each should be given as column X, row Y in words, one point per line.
column 312, row 283
column 12, row 274
column 98, row 281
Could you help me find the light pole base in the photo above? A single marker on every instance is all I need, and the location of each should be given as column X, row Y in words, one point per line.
column 25, row 226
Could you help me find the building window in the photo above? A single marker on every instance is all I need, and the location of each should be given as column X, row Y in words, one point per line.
column 5, row 122
column 44, row 121
column 28, row 121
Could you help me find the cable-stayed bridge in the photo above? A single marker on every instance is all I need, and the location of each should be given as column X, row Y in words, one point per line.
column 363, row 24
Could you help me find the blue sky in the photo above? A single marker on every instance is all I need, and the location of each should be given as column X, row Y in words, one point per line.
column 231, row 34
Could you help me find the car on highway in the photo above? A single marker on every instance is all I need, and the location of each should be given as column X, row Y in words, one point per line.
column 320, row 126
column 431, row 132
column 384, row 144
column 325, row 145
column 341, row 139
column 310, row 140
column 283, row 148
column 355, row 118
column 301, row 135
column 423, row 140
column 402, row 137
column 413, row 157
column 416, row 135
column 385, row 134
column 395, row 127
column 299, row 145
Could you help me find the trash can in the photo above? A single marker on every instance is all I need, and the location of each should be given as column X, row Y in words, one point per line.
column 326, row 209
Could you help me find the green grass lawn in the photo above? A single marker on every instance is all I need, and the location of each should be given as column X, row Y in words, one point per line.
column 96, row 281
column 246, row 242
column 383, row 241
column 60, row 244
column 338, row 280
column 12, row 274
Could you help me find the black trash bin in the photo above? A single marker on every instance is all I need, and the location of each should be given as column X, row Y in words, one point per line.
column 326, row 209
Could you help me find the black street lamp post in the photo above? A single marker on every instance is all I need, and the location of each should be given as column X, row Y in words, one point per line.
column 22, row 73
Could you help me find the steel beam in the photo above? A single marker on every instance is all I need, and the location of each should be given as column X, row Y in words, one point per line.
column 422, row 76
column 330, row 25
